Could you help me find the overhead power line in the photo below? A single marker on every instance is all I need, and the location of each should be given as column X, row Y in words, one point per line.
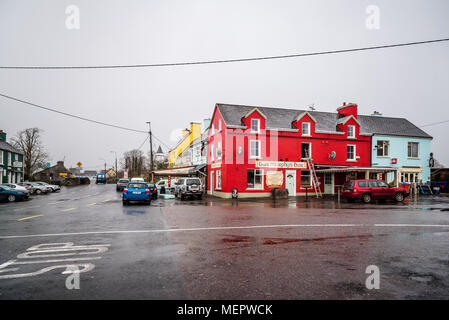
column 69, row 115
column 174, row 64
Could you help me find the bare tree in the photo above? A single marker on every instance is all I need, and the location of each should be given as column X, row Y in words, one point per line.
column 29, row 142
column 134, row 161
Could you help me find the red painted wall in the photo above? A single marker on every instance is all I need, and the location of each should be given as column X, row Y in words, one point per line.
column 280, row 145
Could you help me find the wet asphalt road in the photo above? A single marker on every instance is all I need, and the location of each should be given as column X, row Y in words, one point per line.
column 221, row 249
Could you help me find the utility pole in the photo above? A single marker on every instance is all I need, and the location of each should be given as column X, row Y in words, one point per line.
column 151, row 148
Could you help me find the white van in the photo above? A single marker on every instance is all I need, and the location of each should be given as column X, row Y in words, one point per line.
column 137, row 180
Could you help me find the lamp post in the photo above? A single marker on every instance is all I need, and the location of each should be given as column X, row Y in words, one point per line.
column 116, row 172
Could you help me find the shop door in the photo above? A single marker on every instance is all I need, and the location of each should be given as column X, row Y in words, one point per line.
column 328, row 183
column 290, row 182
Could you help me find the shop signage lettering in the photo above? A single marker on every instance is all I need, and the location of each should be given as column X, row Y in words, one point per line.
column 281, row 164
column 216, row 165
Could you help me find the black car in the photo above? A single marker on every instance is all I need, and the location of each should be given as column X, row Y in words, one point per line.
column 153, row 190
column 121, row 184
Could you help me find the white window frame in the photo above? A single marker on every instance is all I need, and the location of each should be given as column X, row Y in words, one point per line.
column 355, row 154
column 213, row 129
column 417, row 151
column 219, row 125
column 300, row 179
column 383, row 149
column 9, row 159
column 310, row 149
column 353, row 132
column 212, row 153
column 217, row 179
column 262, row 179
column 308, row 129
column 258, row 126
column 251, row 156
column 1, row 158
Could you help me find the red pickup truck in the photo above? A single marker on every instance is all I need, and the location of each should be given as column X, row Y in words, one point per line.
column 367, row 190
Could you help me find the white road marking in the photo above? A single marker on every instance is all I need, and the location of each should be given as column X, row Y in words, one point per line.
column 43, row 250
column 225, row 228
column 30, row 217
column 91, row 204
column 69, row 209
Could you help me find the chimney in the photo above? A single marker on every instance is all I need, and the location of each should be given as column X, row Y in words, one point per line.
column 2, row 135
column 376, row 114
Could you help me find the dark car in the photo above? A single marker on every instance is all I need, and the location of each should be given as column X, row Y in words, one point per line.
column 153, row 190
column 368, row 190
column 121, row 184
column 136, row 191
column 12, row 195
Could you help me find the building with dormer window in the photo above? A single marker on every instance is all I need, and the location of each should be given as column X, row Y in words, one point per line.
column 260, row 148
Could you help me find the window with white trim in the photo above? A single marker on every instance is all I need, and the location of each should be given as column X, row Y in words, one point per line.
column 351, row 131
column 254, row 149
column 305, row 128
column 213, row 129
column 219, row 125
column 1, row 159
column 254, row 179
column 9, row 155
column 306, row 178
column 255, row 125
column 211, row 152
column 383, row 148
column 413, row 149
column 306, row 150
column 218, row 180
column 350, row 152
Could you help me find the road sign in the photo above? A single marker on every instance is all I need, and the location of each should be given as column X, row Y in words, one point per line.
column 79, row 164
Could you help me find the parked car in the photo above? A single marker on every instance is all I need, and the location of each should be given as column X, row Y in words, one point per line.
column 28, row 186
column 189, row 187
column 367, row 190
column 101, row 178
column 15, row 186
column 121, row 184
column 153, row 190
column 41, row 189
column 52, row 187
column 137, row 179
column 12, row 195
column 136, row 191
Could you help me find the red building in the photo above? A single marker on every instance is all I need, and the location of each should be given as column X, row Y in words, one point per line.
column 253, row 148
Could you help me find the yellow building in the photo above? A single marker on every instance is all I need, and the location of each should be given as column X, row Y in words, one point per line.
column 188, row 136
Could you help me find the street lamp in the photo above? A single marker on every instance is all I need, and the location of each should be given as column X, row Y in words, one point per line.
column 116, row 172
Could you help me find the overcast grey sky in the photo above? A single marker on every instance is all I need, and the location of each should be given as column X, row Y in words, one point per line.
column 409, row 82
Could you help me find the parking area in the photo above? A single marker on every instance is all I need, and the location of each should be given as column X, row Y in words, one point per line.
column 221, row 249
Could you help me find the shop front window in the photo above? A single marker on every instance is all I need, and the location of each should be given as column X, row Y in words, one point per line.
column 254, row 179
column 305, row 178
column 218, row 184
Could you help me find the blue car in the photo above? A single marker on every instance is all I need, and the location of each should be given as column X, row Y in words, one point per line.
column 136, row 191
column 101, row 178
column 12, row 195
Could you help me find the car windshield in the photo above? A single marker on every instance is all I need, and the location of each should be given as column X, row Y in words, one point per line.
column 123, row 181
column 192, row 181
column 137, row 185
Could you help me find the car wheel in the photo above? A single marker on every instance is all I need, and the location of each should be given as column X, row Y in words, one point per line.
column 149, row 202
column 38, row 191
column 200, row 197
column 399, row 197
column 11, row 198
column 125, row 203
column 366, row 198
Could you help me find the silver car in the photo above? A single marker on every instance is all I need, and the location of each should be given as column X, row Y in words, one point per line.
column 189, row 187
column 52, row 187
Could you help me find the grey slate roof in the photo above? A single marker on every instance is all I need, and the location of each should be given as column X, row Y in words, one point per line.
column 325, row 121
column 8, row 147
